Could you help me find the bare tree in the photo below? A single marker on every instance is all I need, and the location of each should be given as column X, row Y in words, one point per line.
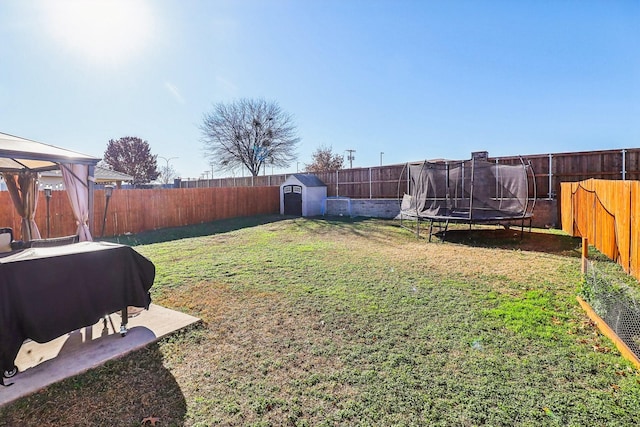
column 167, row 174
column 132, row 155
column 250, row 133
column 323, row 160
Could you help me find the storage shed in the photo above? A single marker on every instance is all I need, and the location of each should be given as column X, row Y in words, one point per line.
column 302, row 195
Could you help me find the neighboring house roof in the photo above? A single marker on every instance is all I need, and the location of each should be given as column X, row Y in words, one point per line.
column 100, row 174
column 309, row 180
column 108, row 175
column 24, row 154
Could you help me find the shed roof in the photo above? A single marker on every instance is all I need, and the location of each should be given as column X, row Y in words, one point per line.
column 309, row 180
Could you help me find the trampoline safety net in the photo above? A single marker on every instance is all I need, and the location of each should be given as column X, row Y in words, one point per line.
column 469, row 191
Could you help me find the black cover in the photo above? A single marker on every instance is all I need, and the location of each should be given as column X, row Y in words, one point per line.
column 47, row 292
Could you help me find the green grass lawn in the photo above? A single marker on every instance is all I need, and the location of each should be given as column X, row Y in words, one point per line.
column 314, row 322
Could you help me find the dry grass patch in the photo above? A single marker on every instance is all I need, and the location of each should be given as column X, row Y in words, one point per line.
column 252, row 341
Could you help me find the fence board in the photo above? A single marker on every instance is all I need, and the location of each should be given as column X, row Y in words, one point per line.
column 133, row 211
column 605, row 212
column 634, row 243
column 566, row 213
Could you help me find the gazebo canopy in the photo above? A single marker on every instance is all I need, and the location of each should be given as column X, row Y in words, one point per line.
column 20, row 154
column 21, row 161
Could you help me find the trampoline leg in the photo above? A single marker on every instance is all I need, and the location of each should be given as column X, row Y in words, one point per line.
column 446, row 227
column 430, row 229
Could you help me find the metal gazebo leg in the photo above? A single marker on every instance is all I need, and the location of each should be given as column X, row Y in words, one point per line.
column 125, row 319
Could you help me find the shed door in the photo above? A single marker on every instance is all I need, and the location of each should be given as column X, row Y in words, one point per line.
column 292, row 200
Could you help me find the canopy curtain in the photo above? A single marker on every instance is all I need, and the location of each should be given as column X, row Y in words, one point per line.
column 76, row 178
column 23, row 188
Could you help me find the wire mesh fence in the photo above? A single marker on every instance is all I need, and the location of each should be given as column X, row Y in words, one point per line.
column 616, row 302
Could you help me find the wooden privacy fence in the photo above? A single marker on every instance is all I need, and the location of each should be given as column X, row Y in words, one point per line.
column 390, row 181
column 607, row 213
column 133, row 211
column 380, row 182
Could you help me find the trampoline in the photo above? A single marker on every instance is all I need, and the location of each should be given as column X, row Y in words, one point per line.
column 472, row 191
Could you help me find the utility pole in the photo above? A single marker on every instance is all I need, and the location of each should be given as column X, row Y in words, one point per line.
column 350, row 157
column 381, row 153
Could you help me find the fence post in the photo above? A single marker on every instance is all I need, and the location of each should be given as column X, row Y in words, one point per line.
column 370, row 190
column 624, row 164
column 550, row 175
column 337, row 184
column 585, row 254
column 497, row 178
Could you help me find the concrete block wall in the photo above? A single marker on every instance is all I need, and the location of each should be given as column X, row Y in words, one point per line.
column 545, row 214
column 375, row 208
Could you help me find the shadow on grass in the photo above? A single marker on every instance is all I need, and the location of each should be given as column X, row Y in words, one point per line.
column 123, row 392
column 513, row 238
column 354, row 226
column 318, row 223
column 197, row 230
column 484, row 236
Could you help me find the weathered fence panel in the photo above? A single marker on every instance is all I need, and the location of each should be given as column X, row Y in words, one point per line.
column 384, row 182
column 133, row 211
column 379, row 182
column 606, row 213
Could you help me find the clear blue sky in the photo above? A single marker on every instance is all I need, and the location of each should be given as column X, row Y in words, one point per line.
column 413, row 79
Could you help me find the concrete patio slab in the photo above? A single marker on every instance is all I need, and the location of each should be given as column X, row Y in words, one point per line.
column 40, row 365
